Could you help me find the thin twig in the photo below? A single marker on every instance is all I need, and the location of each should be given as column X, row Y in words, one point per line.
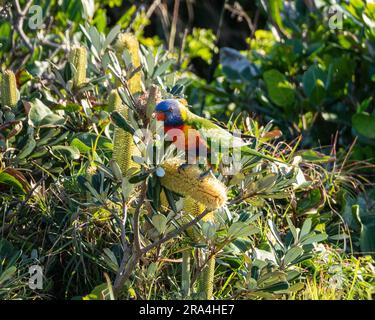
column 19, row 20
column 172, row 35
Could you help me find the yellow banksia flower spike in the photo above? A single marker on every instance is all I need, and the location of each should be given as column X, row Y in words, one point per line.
column 163, row 199
column 195, row 208
column 114, row 101
column 129, row 42
column 78, row 58
column 8, row 89
column 123, row 146
column 206, row 281
column 208, row 191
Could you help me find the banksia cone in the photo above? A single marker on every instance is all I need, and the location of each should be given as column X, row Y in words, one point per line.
column 208, row 191
column 129, row 42
column 195, row 208
column 163, row 199
column 8, row 89
column 78, row 58
column 114, row 101
column 206, row 281
column 123, row 146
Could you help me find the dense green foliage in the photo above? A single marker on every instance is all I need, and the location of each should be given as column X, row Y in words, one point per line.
column 300, row 228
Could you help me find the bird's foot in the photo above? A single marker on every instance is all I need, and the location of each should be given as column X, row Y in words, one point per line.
column 182, row 167
column 205, row 174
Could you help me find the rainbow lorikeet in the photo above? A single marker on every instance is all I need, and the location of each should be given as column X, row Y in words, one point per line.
column 194, row 134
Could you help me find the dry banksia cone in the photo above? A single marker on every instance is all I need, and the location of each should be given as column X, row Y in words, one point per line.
column 78, row 58
column 8, row 89
column 129, row 42
column 187, row 182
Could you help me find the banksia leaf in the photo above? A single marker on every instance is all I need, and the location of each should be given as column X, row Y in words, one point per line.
column 78, row 58
column 8, row 89
column 187, row 182
column 129, row 42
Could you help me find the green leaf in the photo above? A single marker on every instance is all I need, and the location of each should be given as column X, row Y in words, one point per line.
column 162, row 68
column 313, row 238
column 160, row 223
column 83, row 148
column 275, row 7
column 38, row 111
column 28, row 148
column 271, row 278
column 275, row 233
column 139, row 177
column 364, row 124
column 292, row 254
column 7, row 274
column 281, row 92
column 71, row 152
column 52, row 119
column 282, row 285
column 209, row 230
column 111, row 35
column 235, row 66
column 121, row 122
column 314, row 156
column 98, row 293
column 170, row 199
column 314, row 84
column 88, row 7
column 292, row 229
column 367, row 239
column 241, row 229
column 110, row 259
column 8, row 179
column 306, row 227
column 40, row 114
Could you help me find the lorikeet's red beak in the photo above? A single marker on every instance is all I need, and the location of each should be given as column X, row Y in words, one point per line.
column 160, row 116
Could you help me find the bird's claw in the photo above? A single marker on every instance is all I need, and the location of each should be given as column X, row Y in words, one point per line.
column 205, row 174
column 182, row 167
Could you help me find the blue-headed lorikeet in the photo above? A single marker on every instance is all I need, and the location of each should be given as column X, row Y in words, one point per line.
column 190, row 132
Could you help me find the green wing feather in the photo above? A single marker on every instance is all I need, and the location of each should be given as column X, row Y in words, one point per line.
column 211, row 131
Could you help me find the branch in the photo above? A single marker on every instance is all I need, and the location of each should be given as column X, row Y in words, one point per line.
column 128, row 264
column 21, row 14
column 176, row 232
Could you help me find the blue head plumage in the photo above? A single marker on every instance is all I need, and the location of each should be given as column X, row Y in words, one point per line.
column 170, row 111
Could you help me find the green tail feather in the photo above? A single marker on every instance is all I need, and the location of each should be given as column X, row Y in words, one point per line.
column 248, row 151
